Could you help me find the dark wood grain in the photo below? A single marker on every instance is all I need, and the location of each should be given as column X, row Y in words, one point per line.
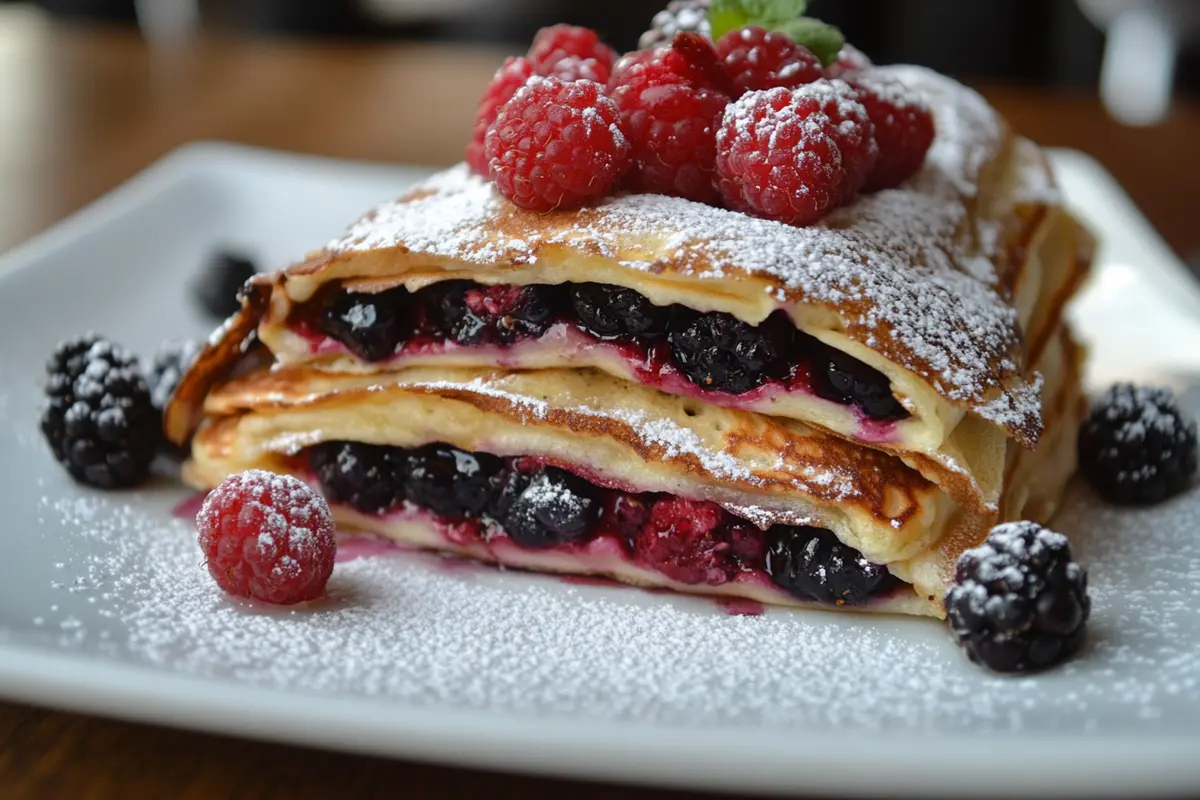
column 82, row 110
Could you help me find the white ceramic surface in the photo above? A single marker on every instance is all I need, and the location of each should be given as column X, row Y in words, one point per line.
column 104, row 606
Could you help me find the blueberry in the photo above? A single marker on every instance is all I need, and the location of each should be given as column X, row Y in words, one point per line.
column 368, row 478
column 723, row 354
column 448, row 481
column 844, row 379
column 554, row 507
column 371, row 325
column 531, row 313
column 216, row 288
column 811, row 563
column 447, row 315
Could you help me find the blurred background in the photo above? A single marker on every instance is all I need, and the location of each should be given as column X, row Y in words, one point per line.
column 1057, row 42
column 398, row 79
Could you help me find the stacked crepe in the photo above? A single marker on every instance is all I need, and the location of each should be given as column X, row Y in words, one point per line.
column 947, row 293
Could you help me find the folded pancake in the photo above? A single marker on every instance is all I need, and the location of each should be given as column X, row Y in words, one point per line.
column 906, row 320
column 682, row 495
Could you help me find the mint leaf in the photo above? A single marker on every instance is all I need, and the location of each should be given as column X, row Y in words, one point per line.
column 823, row 39
column 729, row 15
column 725, row 16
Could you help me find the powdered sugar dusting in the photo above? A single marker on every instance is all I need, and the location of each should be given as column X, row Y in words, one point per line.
column 670, row 439
column 399, row 628
column 903, row 268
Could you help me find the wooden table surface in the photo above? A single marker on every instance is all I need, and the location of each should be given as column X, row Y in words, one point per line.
column 82, row 110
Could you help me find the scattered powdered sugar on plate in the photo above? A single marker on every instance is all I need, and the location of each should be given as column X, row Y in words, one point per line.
column 404, row 627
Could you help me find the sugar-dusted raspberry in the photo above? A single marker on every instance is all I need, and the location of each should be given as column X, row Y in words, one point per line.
column 267, row 536
column 855, row 134
column 627, row 62
column 904, row 128
column 778, row 155
column 574, row 68
column 670, row 110
column 551, row 45
column 694, row 57
column 850, row 61
column 757, row 59
column 672, row 129
column 510, row 77
column 690, row 60
column 557, row 145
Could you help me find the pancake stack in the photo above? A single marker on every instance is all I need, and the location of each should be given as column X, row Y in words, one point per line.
column 674, row 395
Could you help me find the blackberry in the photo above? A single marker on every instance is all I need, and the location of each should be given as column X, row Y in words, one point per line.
column 220, row 282
column 1019, row 602
column 678, row 16
column 1136, row 446
column 368, row 478
column 170, row 363
column 371, row 325
column 447, row 315
column 722, row 353
column 811, row 563
column 448, row 481
column 610, row 312
column 100, row 422
column 844, row 379
column 554, row 507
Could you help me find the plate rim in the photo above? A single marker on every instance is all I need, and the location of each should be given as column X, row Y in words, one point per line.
column 766, row 760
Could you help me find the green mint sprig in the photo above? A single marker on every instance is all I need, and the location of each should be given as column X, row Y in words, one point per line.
column 785, row 16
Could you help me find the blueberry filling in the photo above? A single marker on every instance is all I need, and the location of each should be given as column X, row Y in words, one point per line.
column 714, row 351
column 540, row 507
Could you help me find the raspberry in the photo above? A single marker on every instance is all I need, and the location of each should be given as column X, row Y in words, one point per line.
column 1019, row 602
column 904, row 129
column 1137, row 446
column 778, row 155
column 850, row 60
column 508, row 79
column 557, row 42
column 267, row 536
column 574, row 68
column 855, row 132
column 627, row 62
column 693, row 57
column 670, row 109
column 759, row 60
column 685, row 540
column 672, row 129
column 557, row 145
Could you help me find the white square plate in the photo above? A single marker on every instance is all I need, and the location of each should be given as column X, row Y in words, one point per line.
column 105, row 607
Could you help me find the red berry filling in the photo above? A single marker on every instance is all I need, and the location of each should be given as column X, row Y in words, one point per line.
column 671, row 347
column 481, row 500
